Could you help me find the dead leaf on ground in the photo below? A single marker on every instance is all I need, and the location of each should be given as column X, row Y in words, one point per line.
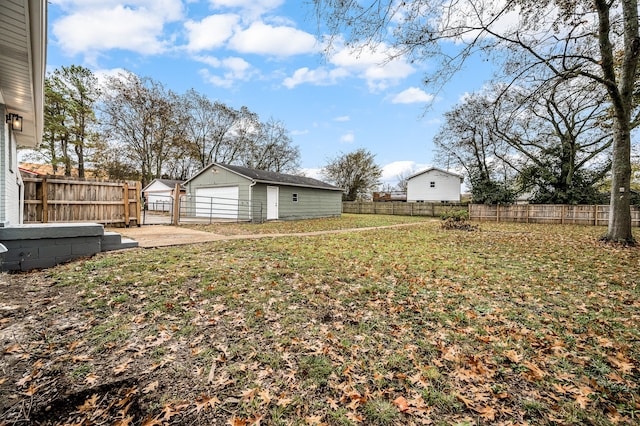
column 401, row 403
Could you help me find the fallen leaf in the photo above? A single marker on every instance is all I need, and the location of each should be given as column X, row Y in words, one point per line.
column 151, row 421
column 354, row 417
column 124, row 422
column 487, row 412
column 237, row 421
column 122, row 367
column 81, row 358
column 513, row 356
column 89, row 404
column 150, row 387
column 622, row 364
column 283, row 402
column 91, row 379
column 401, row 403
column 26, row 379
column 313, row 420
column 206, row 401
column 13, row 349
column 582, row 401
column 535, row 372
column 31, row 390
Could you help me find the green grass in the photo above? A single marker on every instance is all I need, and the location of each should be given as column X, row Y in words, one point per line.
column 346, row 221
column 512, row 323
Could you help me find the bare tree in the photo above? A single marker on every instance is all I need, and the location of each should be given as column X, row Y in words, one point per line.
column 558, row 39
column 273, row 149
column 208, row 127
column 403, row 179
column 145, row 120
column 467, row 139
column 355, row 172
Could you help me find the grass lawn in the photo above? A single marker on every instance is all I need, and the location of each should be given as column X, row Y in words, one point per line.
column 346, row 221
column 511, row 324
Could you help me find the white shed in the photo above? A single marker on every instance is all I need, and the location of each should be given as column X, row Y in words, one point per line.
column 159, row 194
column 434, row 185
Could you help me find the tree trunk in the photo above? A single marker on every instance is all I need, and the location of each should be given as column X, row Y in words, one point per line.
column 619, row 206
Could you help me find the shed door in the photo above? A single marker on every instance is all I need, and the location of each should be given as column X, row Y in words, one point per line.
column 272, row 202
column 221, row 203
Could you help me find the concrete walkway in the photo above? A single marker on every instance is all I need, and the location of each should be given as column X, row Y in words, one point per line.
column 162, row 236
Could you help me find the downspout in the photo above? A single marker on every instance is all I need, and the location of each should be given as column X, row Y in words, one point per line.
column 20, row 199
column 251, row 209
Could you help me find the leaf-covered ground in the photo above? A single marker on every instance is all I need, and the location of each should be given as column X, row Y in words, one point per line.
column 511, row 324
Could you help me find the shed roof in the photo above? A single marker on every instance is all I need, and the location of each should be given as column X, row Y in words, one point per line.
column 263, row 176
column 435, row 169
column 169, row 183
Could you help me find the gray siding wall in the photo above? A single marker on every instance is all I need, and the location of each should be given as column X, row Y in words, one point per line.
column 312, row 203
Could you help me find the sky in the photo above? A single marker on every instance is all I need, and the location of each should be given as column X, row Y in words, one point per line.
column 267, row 55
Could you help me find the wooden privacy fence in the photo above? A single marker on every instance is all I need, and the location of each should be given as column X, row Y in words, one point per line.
column 400, row 208
column 597, row 215
column 60, row 199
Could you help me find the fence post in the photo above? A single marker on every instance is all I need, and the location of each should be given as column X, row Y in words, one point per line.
column 138, row 203
column 125, row 199
column 176, row 204
column 595, row 215
column 497, row 212
column 45, row 203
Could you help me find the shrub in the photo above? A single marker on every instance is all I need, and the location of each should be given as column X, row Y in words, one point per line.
column 457, row 219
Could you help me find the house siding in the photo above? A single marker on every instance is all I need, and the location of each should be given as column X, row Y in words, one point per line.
column 312, row 202
column 158, row 197
column 11, row 181
column 447, row 187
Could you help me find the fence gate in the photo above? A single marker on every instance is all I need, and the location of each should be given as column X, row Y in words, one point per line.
column 62, row 199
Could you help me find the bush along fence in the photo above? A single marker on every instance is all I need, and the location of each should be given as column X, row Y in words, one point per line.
column 400, row 208
column 596, row 215
column 60, row 199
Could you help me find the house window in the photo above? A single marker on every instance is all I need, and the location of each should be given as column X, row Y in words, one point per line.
column 432, row 184
column 294, row 198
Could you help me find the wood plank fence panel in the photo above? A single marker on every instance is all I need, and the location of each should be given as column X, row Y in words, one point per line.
column 59, row 199
column 399, row 208
column 597, row 215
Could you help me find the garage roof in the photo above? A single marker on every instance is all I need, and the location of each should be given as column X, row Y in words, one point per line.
column 262, row 176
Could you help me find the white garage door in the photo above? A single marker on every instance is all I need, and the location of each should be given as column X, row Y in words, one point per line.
column 219, row 203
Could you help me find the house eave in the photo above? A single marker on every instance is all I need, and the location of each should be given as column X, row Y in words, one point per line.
column 23, row 42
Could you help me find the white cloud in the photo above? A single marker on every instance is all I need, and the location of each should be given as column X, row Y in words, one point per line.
column 213, row 31
column 90, row 28
column 343, row 118
column 264, row 39
column 234, row 69
column 391, row 171
column 372, row 63
column 368, row 63
column 412, row 95
column 318, row 77
column 315, row 173
column 348, row 137
column 299, row 132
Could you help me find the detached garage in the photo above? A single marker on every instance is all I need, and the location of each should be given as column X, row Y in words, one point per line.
column 223, row 191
